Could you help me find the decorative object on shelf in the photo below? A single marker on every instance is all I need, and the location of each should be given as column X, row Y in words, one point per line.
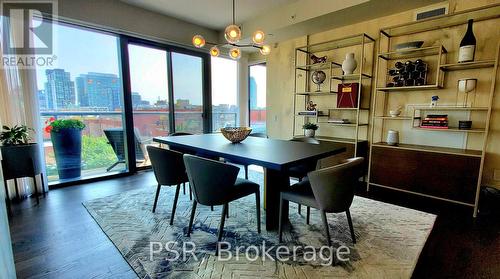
column 66, row 137
column 465, row 86
column 464, row 124
column 316, row 60
column 411, row 73
column 434, row 101
column 307, row 113
column 467, row 45
column 349, row 64
column 232, row 34
column 435, row 121
column 339, row 121
column 409, row 45
column 311, row 106
column 347, row 96
column 236, row 134
column 310, row 129
column 392, row 137
column 318, row 77
column 395, row 112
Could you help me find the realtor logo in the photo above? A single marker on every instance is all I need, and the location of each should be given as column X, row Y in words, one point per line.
column 24, row 30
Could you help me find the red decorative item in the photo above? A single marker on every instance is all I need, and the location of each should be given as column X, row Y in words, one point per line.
column 347, row 96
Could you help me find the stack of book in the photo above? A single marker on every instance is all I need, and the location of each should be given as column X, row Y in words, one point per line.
column 435, row 121
column 339, row 121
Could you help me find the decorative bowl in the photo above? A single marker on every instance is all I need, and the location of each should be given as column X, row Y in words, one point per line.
column 394, row 113
column 236, row 134
column 409, row 45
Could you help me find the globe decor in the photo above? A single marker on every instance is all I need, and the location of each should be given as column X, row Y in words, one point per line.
column 66, row 137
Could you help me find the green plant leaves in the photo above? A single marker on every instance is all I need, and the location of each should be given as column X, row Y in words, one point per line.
column 18, row 134
column 59, row 124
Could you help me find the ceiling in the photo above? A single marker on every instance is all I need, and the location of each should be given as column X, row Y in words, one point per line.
column 214, row 14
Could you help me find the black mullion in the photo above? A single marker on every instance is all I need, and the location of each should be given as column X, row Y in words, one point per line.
column 127, row 106
column 170, row 80
column 207, row 94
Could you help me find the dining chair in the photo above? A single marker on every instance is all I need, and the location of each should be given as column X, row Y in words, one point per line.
column 184, row 151
column 116, row 138
column 331, row 190
column 169, row 170
column 300, row 171
column 220, row 189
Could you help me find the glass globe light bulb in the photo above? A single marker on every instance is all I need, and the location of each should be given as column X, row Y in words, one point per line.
column 214, row 51
column 235, row 53
column 265, row 50
column 258, row 37
column 232, row 34
column 198, row 41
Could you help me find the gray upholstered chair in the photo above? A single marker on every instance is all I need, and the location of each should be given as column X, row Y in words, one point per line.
column 219, row 189
column 300, row 171
column 184, row 151
column 331, row 190
column 169, row 170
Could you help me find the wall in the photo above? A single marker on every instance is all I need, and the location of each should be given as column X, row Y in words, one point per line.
column 280, row 73
column 130, row 19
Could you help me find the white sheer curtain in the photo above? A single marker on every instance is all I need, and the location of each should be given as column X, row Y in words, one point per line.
column 19, row 106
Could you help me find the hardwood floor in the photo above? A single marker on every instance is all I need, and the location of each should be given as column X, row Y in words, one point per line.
column 59, row 239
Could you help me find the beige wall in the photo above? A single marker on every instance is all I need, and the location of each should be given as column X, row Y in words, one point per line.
column 280, row 75
column 130, row 19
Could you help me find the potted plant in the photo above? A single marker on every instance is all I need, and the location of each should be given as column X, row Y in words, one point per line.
column 20, row 158
column 310, row 129
column 66, row 137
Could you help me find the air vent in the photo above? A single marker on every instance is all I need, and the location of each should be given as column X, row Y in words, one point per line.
column 432, row 11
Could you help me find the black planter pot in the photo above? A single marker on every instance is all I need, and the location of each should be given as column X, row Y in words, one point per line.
column 67, row 145
column 21, row 160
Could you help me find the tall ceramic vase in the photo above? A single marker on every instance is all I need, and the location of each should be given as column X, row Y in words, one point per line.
column 349, row 64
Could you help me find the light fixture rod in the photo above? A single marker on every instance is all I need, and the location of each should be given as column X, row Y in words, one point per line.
column 233, row 14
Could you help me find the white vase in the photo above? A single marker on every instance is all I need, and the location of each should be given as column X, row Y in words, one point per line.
column 309, row 132
column 392, row 137
column 349, row 64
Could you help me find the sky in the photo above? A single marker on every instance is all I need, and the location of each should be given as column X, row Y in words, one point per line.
column 80, row 51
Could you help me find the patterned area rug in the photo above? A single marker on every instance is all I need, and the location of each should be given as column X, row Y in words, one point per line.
column 389, row 239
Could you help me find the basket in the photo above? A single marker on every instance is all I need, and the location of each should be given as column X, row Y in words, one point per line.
column 236, row 134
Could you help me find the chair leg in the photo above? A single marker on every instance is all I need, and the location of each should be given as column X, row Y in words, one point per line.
column 257, row 204
column 36, row 190
column 190, row 193
column 325, row 224
column 18, row 196
column 43, row 184
column 308, row 213
column 221, row 227
column 193, row 210
column 156, row 197
column 174, row 206
column 246, row 171
column 112, row 166
column 227, row 211
column 184, row 188
column 349, row 220
column 280, row 225
column 300, row 206
column 211, row 208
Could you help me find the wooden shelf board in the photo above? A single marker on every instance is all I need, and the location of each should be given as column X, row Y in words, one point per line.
column 410, row 53
column 336, row 139
column 435, row 149
column 348, row 109
column 316, row 93
column 468, row 65
column 450, row 108
column 344, row 125
column 337, row 43
column 318, row 66
column 410, row 88
column 394, row 118
column 451, row 129
column 351, row 77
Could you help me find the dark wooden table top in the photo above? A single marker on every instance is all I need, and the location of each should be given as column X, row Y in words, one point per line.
column 268, row 153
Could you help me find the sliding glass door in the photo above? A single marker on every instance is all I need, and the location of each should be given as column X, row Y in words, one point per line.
column 149, row 93
column 85, row 85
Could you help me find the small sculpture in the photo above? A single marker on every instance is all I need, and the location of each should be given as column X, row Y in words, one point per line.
column 434, row 101
column 349, row 64
column 317, row 59
column 311, row 106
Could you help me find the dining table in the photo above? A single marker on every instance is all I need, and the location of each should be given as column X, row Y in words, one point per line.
column 276, row 156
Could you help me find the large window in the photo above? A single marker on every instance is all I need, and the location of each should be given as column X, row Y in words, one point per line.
column 257, row 98
column 86, row 84
column 225, row 109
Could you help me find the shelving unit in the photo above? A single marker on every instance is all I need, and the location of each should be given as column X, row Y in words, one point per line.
column 304, row 90
column 419, row 168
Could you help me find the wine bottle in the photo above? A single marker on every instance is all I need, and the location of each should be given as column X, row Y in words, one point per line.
column 467, row 45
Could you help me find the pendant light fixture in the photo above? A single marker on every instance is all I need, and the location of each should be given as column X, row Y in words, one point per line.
column 232, row 34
